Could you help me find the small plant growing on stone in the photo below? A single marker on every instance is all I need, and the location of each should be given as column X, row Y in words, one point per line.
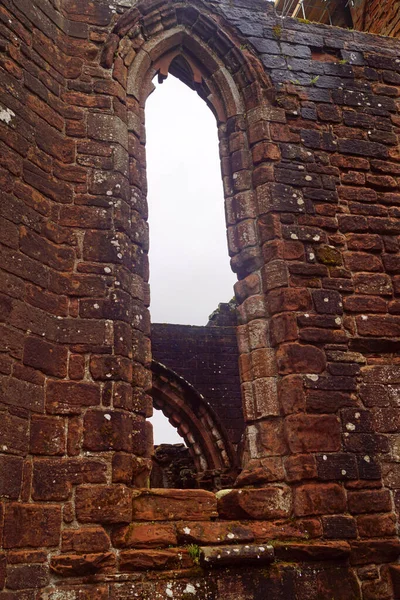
column 314, row 80
column 277, row 31
column 343, row 61
column 194, row 553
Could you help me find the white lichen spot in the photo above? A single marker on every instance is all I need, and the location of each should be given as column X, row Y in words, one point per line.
column 108, row 375
column 107, row 417
column 350, row 426
column 107, row 270
column 313, row 377
column 338, row 321
column 357, row 415
column 186, row 530
column 367, row 459
column 230, row 536
column 326, row 299
column 96, row 306
column 343, row 472
column 108, row 193
column 308, row 178
column 316, row 238
column 6, row 115
column 293, row 236
column 364, row 317
column 189, row 589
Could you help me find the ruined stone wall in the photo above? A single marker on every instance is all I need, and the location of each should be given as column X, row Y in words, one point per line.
column 377, row 17
column 308, row 120
column 207, row 357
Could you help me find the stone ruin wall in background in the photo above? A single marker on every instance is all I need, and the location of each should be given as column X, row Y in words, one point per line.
column 309, row 128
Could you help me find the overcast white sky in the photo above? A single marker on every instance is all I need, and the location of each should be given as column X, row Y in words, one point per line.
column 189, row 262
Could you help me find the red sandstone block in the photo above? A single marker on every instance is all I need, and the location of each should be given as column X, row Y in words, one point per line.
column 348, row 223
column 174, row 505
column 300, row 358
column 47, row 435
column 283, row 328
column 109, row 368
column 214, row 533
column 104, row 504
column 144, row 535
column 31, row 525
column 264, row 503
column 300, row 467
column 84, row 217
column 339, row 527
column 14, row 434
column 385, row 326
column 313, row 433
column 70, row 565
column 27, row 577
column 268, row 438
column 69, row 398
column 291, row 394
column 386, row 420
column 299, row 552
column 365, row 304
column 88, row 539
column 60, row 258
column 144, row 560
column 288, row 299
column 364, row 241
column 51, row 303
column 371, row 526
column 76, row 367
column 26, row 557
column 319, row 499
column 75, row 435
column 112, row 430
column 362, row 261
column 370, row 551
column 367, row 501
column 53, row 478
column 10, row 476
column 265, row 531
column 122, row 468
column 319, row 335
column 78, row 284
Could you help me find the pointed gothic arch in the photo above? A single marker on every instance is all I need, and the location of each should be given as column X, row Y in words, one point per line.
column 196, row 422
column 161, row 37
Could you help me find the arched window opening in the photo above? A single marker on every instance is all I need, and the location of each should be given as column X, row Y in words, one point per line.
column 208, row 460
column 190, row 273
column 189, row 267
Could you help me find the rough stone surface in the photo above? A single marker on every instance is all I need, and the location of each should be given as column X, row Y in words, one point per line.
column 309, row 125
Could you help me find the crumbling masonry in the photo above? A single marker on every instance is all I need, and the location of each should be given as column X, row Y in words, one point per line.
column 309, row 124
